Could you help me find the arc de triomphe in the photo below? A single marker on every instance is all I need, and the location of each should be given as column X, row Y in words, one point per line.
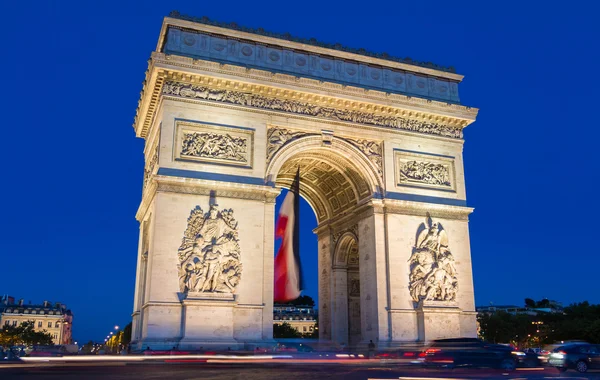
column 227, row 115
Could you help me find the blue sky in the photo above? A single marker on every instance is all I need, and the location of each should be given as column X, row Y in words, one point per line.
column 72, row 167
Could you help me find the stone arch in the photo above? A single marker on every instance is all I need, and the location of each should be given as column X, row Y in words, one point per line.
column 336, row 174
column 342, row 250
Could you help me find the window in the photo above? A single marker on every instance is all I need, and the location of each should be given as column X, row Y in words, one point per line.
column 50, row 324
column 304, row 329
column 39, row 323
column 14, row 323
column 55, row 336
column 7, row 322
column 56, row 324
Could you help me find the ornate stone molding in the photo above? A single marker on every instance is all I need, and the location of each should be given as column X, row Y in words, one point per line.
column 427, row 209
column 209, row 189
column 278, row 137
column 209, row 255
column 432, row 270
column 373, row 150
column 249, row 99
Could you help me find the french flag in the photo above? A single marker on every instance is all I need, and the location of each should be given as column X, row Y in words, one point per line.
column 288, row 273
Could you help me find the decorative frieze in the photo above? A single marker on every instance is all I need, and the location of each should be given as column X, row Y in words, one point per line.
column 214, row 143
column 432, row 270
column 424, row 170
column 209, row 255
column 187, row 90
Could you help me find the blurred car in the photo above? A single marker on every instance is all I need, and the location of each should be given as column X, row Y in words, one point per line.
column 294, row 347
column 578, row 356
column 471, row 352
column 47, row 351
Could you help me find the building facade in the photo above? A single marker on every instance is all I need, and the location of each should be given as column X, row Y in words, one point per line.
column 55, row 319
column 228, row 114
column 301, row 318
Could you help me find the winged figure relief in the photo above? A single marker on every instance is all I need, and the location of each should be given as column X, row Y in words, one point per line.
column 209, row 254
column 432, row 267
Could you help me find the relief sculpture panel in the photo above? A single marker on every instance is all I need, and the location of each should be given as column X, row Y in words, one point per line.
column 432, row 270
column 210, row 143
column 424, row 170
column 209, row 255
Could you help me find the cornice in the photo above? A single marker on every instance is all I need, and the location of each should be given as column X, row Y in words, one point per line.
column 163, row 68
column 225, row 189
column 433, row 210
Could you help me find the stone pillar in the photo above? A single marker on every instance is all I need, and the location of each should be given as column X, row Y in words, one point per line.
column 268, row 270
column 339, row 317
column 325, row 286
column 373, row 277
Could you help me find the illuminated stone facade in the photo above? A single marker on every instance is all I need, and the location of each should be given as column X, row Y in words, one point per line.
column 55, row 319
column 228, row 114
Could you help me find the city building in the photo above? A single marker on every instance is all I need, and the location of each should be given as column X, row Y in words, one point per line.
column 302, row 318
column 552, row 307
column 56, row 319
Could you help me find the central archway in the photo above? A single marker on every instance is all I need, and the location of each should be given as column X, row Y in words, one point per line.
column 336, row 178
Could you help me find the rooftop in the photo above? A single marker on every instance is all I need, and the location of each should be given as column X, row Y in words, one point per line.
column 310, row 41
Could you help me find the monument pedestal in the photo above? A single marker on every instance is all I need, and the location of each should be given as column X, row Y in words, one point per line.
column 208, row 321
column 438, row 320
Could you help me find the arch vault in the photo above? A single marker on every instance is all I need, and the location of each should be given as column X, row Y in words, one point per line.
column 228, row 115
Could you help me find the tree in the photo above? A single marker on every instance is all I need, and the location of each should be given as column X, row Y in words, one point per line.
column 126, row 338
column 24, row 334
column 285, row 330
column 529, row 303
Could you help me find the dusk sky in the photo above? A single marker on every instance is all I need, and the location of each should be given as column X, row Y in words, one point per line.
column 72, row 166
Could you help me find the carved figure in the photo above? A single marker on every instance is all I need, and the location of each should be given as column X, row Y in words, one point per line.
column 213, row 145
column 286, row 105
column 372, row 150
column 209, row 255
column 425, row 172
column 277, row 138
column 432, row 270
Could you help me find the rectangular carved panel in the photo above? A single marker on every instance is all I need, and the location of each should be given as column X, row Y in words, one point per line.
column 424, row 170
column 214, row 143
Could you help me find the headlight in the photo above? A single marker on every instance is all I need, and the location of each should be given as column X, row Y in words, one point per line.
column 518, row 353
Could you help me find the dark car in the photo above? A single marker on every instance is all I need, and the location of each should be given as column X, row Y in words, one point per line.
column 470, row 352
column 579, row 356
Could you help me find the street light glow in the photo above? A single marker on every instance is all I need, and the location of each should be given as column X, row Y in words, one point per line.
column 116, row 327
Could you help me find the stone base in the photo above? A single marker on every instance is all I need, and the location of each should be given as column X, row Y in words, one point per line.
column 438, row 320
column 208, row 320
column 206, row 344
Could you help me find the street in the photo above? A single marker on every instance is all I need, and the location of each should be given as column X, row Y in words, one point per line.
column 273, row 370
